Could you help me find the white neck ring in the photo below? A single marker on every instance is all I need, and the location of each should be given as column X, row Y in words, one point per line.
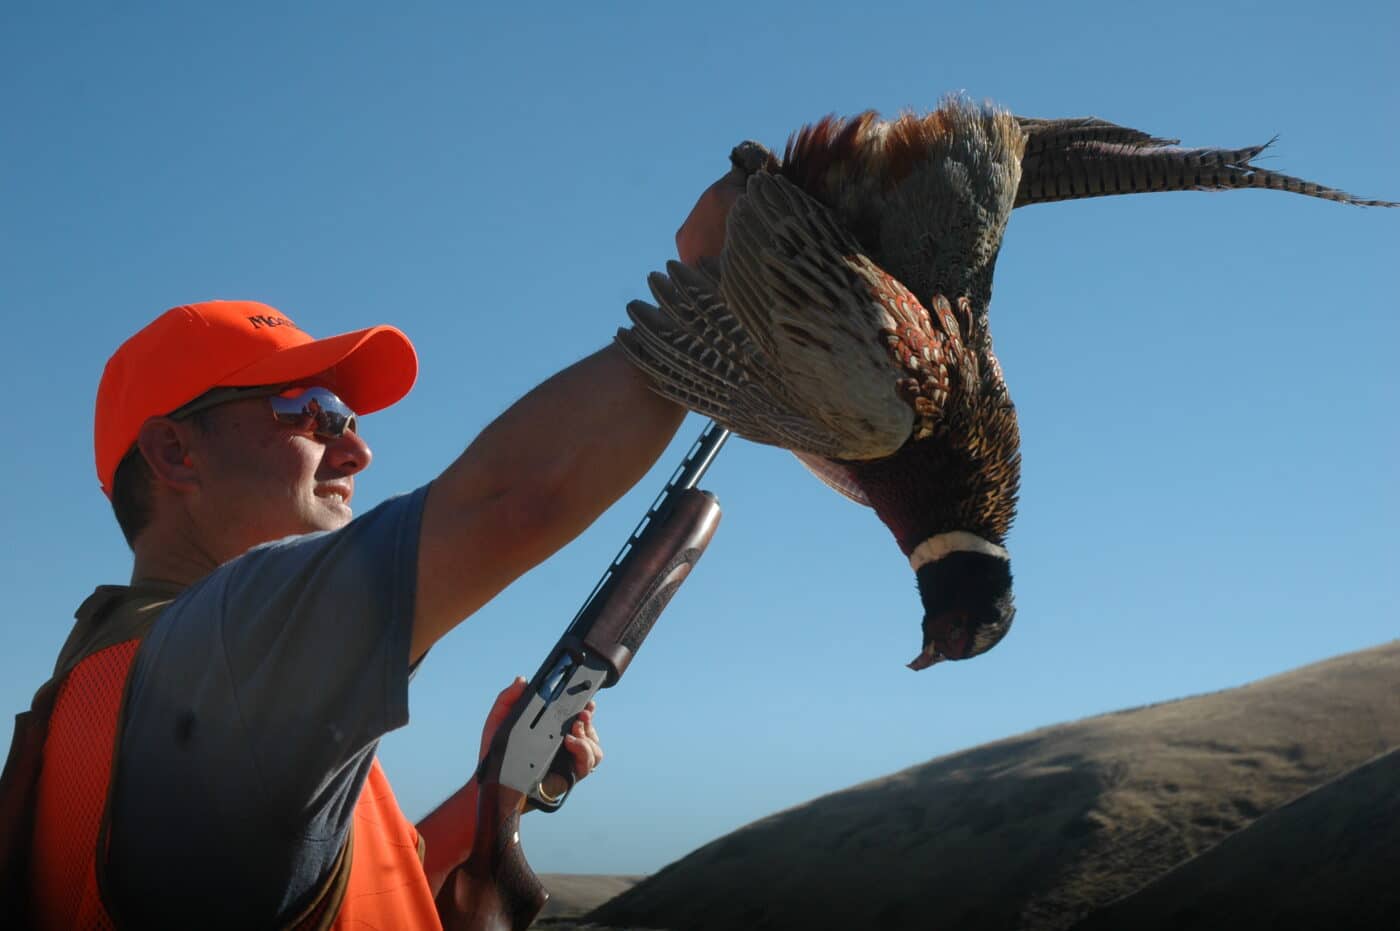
column 957, row 541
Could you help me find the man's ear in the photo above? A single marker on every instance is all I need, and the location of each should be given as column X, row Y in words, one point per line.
column 164, row 444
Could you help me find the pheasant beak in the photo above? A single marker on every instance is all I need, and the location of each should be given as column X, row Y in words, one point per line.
column 948, row 638
column 926, row 658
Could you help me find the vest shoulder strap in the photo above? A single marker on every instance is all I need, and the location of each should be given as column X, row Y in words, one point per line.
column 110, row 615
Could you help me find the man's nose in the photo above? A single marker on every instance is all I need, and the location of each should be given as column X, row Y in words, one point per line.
column 349, row 453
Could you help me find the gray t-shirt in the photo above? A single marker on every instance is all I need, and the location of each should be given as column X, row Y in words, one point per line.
column 256, row 703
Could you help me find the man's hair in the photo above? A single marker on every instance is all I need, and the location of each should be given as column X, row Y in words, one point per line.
column 131, row 495
column 131, row 487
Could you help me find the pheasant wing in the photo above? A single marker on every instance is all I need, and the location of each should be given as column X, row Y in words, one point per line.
column 790, row 343
column 697, row 355
column 823, row 314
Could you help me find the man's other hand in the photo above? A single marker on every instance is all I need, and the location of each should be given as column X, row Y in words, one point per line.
column 581, row 741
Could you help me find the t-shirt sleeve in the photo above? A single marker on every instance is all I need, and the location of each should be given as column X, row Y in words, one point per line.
column 254, row 708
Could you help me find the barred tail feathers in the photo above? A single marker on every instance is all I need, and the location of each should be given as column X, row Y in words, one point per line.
column 1062, row 134
column 1073, row 159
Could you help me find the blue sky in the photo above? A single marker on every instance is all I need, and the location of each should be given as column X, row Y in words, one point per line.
column 1206, row 382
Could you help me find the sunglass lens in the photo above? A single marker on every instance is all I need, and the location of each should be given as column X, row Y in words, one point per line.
column 332, row 424
column 314, row 410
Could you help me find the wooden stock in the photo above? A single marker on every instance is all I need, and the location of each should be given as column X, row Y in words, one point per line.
column 494, row 889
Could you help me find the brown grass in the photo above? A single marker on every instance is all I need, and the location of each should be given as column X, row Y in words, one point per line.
column 1279, row 796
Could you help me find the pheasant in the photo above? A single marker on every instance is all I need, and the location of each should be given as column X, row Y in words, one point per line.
column 846, row 320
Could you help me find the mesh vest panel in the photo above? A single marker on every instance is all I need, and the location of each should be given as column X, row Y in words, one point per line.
column 385, row 887
column 73, row 791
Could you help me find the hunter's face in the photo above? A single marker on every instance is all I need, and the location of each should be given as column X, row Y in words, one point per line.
column 262, row 480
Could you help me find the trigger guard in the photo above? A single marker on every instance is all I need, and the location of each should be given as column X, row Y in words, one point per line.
column 537, row 800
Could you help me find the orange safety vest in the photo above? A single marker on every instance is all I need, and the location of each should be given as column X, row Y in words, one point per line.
column 376, row 882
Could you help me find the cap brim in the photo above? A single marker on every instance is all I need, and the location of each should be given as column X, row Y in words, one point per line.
column 370, row 368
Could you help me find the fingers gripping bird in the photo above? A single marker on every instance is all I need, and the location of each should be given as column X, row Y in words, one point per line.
column 846, row 320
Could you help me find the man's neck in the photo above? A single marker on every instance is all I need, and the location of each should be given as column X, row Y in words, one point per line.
column 170, row 557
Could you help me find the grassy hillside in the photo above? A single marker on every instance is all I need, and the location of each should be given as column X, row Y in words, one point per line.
column 1044, row 829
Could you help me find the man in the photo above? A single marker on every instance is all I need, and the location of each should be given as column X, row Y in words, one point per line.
column 266, row 640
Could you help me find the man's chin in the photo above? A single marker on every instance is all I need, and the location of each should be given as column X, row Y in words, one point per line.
column 328, row 514
column 339, row 519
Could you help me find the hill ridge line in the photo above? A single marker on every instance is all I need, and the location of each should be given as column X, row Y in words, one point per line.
column 1273, row 814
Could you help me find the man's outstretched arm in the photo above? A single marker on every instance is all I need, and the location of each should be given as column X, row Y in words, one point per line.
column 546, row 468
column 531, row 482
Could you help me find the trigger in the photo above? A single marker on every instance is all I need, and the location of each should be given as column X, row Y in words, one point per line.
column 552, row 803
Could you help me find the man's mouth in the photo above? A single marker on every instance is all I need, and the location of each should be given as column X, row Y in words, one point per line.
column 340, row 493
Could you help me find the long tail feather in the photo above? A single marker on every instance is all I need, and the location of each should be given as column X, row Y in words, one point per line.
column 1086, row 157
column 1061, row 134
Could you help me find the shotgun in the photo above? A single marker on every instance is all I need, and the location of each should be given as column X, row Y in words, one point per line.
column 494, row 889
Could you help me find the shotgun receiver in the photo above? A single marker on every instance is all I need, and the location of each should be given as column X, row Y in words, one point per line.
column 495, row 888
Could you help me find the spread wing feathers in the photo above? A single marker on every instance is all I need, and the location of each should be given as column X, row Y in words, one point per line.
column 787, row 344
column 1088, row 157
column 692, row 348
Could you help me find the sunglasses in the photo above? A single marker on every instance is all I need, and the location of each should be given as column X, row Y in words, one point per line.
column 307, row 410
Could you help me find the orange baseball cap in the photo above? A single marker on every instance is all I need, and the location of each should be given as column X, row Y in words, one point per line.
column 188, row 350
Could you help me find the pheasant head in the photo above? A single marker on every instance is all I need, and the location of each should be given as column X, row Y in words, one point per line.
column 846, row 320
